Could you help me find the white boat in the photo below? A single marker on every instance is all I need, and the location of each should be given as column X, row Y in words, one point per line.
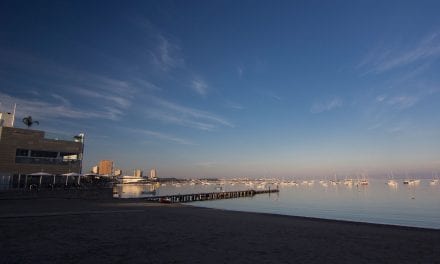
column 411, row 182
column 435, row 180
column 392, row 183
column 130, row 179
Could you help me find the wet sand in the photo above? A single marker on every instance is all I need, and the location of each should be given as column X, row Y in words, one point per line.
column 39, row 228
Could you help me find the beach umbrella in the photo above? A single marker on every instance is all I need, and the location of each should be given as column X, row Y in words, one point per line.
column 71, row 174
column 41, row 174
column 91, row 175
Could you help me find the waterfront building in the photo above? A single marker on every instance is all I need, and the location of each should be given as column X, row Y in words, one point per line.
column 95, row 169
column 105, row 167
column 25, row 151
column 118, row 172
column 153, row 174
column 137, row 173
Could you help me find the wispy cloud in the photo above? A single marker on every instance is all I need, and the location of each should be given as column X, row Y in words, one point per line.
column 240, row 71
column 174, row 113
column 162, row 136
column 199, row 86
column 271, row 94
column 319, row 107
column 402, row 101
column 167, row 55
column 60, row 98
column 233, row 105
column 45, row 109
column 102, row 96
column 385, row 60
column 117, row 101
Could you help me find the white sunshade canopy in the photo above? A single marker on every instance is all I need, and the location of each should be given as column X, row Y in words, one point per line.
column 71, row 174
column 90, row 174
column 40, row 174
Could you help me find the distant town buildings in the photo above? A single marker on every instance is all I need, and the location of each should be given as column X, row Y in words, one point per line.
column 95, row 169
column 137, row 173
column 153, row 174
column 105, row 167
column 118, row 172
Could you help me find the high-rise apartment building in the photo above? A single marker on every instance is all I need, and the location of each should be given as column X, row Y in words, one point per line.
column 153, row 174
column 105, row 167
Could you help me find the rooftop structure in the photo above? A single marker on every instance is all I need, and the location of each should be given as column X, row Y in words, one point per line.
column 24, row 151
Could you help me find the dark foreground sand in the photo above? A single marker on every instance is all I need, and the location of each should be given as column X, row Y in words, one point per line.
column 103, row 230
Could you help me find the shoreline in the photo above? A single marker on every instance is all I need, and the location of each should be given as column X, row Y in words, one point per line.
column 81, row 229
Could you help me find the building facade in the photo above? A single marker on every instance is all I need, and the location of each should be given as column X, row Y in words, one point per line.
column 138, row 173
column 25, row 151
column 153, row 174
column 105, row 167
column 118, row 172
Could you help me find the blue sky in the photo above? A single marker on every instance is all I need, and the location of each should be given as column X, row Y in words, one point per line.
column 231, row 88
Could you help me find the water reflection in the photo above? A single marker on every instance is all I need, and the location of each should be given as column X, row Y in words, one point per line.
column 135, row 190
column 377, row 202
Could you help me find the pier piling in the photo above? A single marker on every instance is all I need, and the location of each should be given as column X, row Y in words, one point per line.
column 186, row 198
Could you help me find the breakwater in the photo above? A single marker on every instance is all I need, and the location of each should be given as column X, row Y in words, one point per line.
column 195, row 197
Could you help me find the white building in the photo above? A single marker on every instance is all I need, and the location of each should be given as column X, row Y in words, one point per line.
column 95, row 169
column 137, row 173
column 118, row 172
column 153, row 174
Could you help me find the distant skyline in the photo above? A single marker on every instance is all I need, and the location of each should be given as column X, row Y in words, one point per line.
column 231, row 88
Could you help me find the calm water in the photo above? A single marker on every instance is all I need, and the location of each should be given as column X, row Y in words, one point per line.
column 376, row 203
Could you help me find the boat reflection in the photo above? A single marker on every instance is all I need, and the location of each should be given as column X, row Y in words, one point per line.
column 135, row 190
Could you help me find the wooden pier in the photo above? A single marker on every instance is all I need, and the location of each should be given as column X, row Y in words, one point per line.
column 195, row 197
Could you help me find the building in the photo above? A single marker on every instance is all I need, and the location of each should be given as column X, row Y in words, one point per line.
column 95, row 169
column 153, row 174
column 25, row 151
column 105, row 167
column 138, row 173
column 6, row 119
column 118, row 172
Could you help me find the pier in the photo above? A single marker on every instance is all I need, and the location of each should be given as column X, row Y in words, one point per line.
column 195, row 197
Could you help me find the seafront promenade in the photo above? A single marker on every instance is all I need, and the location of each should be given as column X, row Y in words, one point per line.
column 91, row 227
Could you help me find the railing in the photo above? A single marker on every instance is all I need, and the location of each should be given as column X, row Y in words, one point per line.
column 58, row 136
column 40, row 160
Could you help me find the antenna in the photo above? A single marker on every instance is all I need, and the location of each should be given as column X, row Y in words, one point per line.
column 13, row 115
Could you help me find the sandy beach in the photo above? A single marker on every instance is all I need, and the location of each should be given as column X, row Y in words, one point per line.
column 81, row 227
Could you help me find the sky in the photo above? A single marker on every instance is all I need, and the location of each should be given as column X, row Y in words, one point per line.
column 231, row 88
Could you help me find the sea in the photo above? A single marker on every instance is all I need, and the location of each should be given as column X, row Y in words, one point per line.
column 415, row 205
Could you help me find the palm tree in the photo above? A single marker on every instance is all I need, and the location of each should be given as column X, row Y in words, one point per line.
column 29, row 122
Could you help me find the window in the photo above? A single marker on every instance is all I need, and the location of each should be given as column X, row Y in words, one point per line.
column 69, row 156
column 43, row 154
column 22, row 152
